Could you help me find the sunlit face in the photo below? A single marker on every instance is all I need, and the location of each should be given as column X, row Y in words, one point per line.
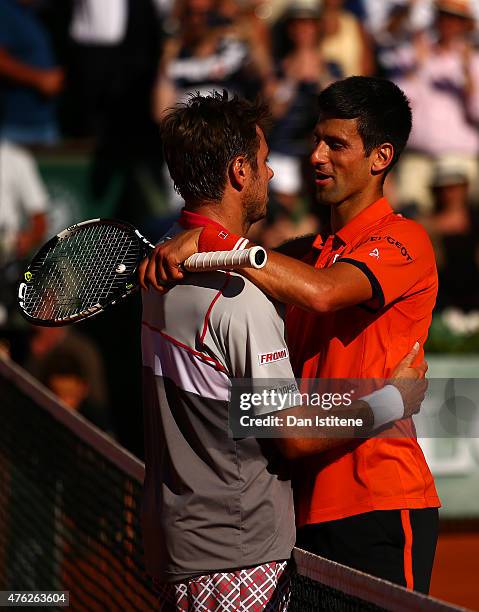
column 303, row 31
column 70, row 389
column 341, row 167
column 255, row 195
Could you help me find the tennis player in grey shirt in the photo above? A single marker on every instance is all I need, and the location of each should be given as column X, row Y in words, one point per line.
column 218, row 515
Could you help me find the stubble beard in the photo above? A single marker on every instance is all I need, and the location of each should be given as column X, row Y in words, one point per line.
column 254, row 206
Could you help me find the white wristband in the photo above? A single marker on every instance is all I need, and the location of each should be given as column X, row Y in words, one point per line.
column 387, row 405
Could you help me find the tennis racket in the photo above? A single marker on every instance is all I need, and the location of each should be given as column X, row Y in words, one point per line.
column 92, row 265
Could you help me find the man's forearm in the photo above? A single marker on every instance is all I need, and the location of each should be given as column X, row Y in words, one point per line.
column 341, row 425
column 14, row 70
column 283, row 278
column 318, row 290
column 292, row 282
column 331, row 435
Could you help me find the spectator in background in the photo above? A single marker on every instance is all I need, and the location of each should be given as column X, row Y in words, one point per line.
column 378, row 14
column 49, row 342
column 443, row 88
column 23, row 203
column 66, row 377
column 421, row 13
column 100, row 73
column 30, row 78
column 97, row 31
column 248, row 26
column 112, row 68
column 292, row 96
column 23, row 220
column 454, row 229
column 396, row 42
column 114, row 46
column 208, row 52
column 345, row 44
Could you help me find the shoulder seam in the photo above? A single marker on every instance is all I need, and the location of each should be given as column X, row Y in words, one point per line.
column 211, row 306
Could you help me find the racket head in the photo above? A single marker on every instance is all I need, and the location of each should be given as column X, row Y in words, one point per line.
column 81, row 271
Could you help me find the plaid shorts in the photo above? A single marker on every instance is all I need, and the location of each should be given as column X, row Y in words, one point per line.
column 255, row 589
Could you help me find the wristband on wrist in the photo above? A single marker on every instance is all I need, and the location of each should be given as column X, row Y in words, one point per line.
column 386, row 404
column 213, row 239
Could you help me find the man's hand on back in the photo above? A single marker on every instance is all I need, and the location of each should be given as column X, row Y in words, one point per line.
column 163, row 265
column 411, row 383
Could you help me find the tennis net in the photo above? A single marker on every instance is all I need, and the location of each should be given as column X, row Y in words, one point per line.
column 70, row 518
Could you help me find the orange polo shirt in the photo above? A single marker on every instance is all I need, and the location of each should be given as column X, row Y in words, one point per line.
column 368, row 341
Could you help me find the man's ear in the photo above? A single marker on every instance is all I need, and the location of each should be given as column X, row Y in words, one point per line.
column 382, row 158
column 238, row 172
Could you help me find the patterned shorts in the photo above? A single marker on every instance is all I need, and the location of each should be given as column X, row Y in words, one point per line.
column 255, row 589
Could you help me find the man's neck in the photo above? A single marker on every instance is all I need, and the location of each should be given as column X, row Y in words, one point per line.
column 345, row 212
column 217, row 211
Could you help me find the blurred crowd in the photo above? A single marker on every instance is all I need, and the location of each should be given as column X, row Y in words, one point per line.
column 98, row 75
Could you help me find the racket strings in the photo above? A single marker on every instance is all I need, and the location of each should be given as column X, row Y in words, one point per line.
column 80, row 272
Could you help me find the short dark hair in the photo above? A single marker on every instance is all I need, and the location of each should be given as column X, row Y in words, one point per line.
column 382, row 111
column 202, row 136
column 61, row 362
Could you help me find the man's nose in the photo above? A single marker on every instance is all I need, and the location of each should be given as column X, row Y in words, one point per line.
column 319, row 155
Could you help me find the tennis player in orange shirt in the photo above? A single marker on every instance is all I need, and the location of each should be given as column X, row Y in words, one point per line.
column 358, row 299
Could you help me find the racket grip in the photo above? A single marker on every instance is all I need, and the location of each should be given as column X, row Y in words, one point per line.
column 255, row 257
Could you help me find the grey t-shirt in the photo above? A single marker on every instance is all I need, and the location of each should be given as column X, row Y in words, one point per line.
column 211, row 502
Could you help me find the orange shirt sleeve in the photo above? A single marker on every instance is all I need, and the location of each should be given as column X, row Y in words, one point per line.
column 398, row 259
